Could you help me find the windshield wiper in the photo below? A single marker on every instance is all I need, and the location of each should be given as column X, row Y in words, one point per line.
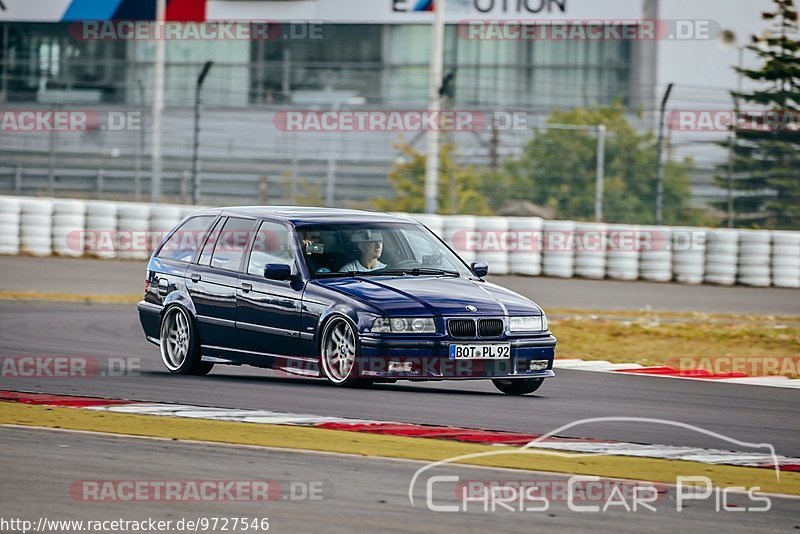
column 419, row 271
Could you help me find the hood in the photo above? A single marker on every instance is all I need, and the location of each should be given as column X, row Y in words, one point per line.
column 414, row 296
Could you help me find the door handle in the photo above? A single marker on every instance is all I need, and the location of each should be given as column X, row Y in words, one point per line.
column 163, row 286
column 247, row 288
column 196, row 278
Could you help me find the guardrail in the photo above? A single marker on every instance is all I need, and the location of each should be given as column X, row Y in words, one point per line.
column 526, row 246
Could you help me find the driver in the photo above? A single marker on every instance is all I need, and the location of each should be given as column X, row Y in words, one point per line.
column 370, row 247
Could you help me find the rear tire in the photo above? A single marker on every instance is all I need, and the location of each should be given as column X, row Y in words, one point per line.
column 180, row 345
column 518, row 386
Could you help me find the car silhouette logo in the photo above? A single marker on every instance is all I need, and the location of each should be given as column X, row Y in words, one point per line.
column 472, row 308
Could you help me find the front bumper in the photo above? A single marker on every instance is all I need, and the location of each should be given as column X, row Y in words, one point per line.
column 428, row 359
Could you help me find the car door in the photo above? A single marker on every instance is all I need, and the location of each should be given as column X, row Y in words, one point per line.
column 269, row 310
column 213, row 280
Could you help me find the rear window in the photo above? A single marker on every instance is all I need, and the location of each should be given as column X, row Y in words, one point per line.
column 184, row 243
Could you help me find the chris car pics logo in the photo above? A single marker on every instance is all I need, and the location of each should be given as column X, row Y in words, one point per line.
column 404, row 6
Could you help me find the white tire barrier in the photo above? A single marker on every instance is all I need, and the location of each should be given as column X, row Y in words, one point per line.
column 689, row 255
column 101, row 230
column 163, row 219
column 755, row 254
column 133, row 231
column 493, row 243
column 786, row 259
column 435, row 223
column 35, row 227
column 456, row 230
column 69, row 219
column 525, row 256
column 722, row 257
column 655, row 253
column 559, row 250
column 623, row 252
column 515, row 245
column 9, row 225
column 590, row 250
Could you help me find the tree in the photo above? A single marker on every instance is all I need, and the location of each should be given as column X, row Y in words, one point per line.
column 767, row 153
column 557, row 169
column 408, row 180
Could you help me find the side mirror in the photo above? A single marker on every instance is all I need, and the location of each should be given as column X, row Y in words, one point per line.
column 480, row 268
column 277, row 271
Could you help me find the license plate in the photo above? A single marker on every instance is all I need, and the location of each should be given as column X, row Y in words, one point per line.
column 480, row 352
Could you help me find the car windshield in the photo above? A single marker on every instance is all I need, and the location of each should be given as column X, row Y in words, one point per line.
column 397, row 249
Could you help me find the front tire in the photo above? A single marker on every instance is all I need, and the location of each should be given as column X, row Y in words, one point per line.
column 521, row 386
column 180, row 346
column 339, row 354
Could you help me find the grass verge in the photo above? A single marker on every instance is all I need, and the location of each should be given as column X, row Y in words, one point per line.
column 755, row 345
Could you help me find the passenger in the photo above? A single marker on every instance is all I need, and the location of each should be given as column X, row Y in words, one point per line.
column 370, row 246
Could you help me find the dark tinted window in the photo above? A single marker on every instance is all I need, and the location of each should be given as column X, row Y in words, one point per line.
column 183, row 244
column 232, row 244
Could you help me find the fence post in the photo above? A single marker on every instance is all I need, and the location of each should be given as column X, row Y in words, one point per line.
column 18, row 181
column 185, row 177
column 263, row 187
column 101, row 174
column 51, row 163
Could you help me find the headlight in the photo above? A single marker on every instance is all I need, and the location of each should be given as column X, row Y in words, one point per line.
column 527, row 324
column 401, row 325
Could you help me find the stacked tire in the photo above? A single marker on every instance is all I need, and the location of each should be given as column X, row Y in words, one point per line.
column 9, row 225
column 623, row 253
column 133, row 226
column 722, row 257
column 435, row 223
column 786, row 259
column 457, row 230
column 655, row 253
column 525, row 254
column 101, row 230
column 35, row 227
column 559, row 249
column 689, row 255
column 590, row 250
column 69, row 218
column 494, row 243
column 755, row 251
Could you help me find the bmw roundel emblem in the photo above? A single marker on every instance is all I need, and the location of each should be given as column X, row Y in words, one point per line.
column 472, row 308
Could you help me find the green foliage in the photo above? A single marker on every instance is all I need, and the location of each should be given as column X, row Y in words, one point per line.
column 767, row 159
column 408, row 179
column 558, row 169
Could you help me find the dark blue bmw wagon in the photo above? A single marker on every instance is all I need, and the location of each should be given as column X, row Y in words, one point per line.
column 351, row 296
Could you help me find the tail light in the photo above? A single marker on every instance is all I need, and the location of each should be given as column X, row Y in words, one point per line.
column 146, row 285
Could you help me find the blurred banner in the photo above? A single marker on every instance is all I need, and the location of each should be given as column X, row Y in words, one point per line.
column 419, row 11
column 77, row 10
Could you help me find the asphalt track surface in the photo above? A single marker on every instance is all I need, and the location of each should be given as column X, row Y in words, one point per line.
column 753, row 414
column 358, row 494
column 58, row 275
